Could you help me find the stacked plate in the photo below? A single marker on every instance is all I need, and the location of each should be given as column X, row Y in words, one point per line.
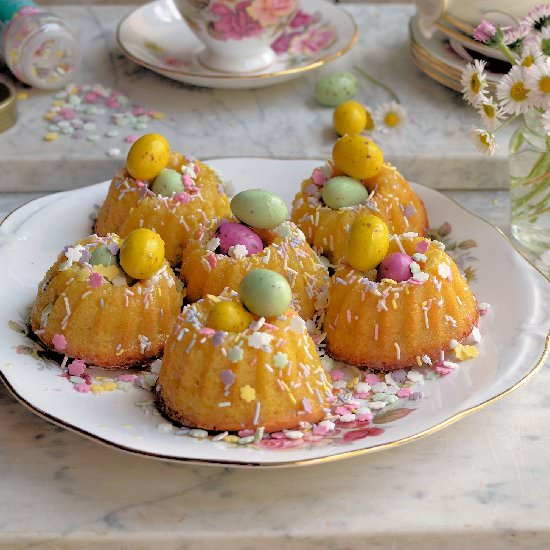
column 446, row 52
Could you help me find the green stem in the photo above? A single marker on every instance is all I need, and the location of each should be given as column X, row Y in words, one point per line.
column 377, row 82
column 507, row 52
column 541, row 166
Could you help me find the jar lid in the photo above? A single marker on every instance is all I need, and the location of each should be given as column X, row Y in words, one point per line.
column 8, row 105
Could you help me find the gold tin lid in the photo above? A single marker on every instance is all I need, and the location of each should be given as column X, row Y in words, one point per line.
column 8, row 105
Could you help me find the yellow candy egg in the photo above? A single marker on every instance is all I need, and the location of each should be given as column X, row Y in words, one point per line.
column 349, row 117
column 357, row 156
column 142, row 253
column 148, row 156
column 368, row 243
column 229, row 316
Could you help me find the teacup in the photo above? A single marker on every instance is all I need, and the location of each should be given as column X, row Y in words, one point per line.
column 237, row 33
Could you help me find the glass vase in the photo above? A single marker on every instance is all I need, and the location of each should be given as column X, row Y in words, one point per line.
column 529, row 168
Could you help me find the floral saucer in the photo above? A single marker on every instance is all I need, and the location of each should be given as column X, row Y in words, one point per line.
column 156, row 36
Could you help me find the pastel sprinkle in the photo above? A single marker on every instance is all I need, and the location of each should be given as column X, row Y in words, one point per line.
column 77, row 367
column 51, row 136
column 95, row 279
column 59, row 342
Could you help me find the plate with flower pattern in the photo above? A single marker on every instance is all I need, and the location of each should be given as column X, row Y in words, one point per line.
column 120, row 412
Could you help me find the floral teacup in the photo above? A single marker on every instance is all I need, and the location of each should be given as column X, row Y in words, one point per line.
column 237, row 33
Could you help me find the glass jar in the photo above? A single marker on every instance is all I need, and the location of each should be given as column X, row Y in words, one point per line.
column 40, row 49
column 529, row 168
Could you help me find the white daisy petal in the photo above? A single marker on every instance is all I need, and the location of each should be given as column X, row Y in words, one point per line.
column 513, row 92
column 391, row 116
column 484, row 141
column 546, row 122
column 490, row 113
column 474, row 82
column 537, row 79
column 538, row 18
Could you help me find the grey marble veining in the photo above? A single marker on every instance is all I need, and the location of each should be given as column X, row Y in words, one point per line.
column 482, row 482
column 280, row 121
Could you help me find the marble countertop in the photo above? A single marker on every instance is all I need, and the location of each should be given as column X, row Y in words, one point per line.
column 481, row 482
column 279, row 121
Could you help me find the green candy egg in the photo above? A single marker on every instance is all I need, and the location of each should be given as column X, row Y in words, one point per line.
column 167, row 182
column 102, row 256
column 265, row 293
column 336, row 88
column 343, row 191
column 259, row 208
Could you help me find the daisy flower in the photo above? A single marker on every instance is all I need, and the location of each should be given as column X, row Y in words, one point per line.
column 485, row 32
column 537, row 79
column 391, row 116
column 474, row 82
column 513, row 92
column 490, row 113
column 484, row 141
column 546, row 122
column 538, row 18
column 514, row 37
column 538, row 43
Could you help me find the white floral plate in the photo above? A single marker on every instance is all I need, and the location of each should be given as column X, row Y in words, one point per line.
column 155, row 36
column 513, row 347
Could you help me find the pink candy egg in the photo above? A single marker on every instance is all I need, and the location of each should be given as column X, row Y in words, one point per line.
column 232, row 234
column 396, row 266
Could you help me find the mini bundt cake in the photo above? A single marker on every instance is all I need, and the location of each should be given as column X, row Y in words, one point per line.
column 222, row 254
column 225, row 368
column 89, row 307
column 171, row 194
column 402, row 314
column 330, row 200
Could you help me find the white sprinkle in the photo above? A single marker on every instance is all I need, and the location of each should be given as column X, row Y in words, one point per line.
column 256, row 418
column 224, row 404
column 220, row 436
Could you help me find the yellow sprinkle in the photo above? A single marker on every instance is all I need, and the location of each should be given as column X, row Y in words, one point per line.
column 96, row 388
column 465, row 352
column 424, row 303
column 157, row 115
column 231, row 438
column 58, row 103
column 21, row 96
column 100, row 377
column 353, row 382
column 50, row 136
column 292, row 398
column 418, row 361
column 49, row 116
column 394, row 304
column 109, row 386
column 128, row 426
column 248, row 393
column 388, row 281
column 213, row 298
column 120, row 351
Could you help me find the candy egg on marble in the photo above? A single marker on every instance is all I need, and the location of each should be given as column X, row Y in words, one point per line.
column 232, row 234
column 229, row 316
column 265, row 293
column 357, row 156
column 336, row 88
column 102, row 256
column 259, row 208
column 142, row 253
column 148, row 156
column 167, row 183
column 350, row 117
column 342, row 191
column 395, row 266
column 369, row 240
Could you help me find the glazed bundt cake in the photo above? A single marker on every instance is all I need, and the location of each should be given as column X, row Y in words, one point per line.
column 222, row 254
column 228, row 369
column 163, row 191
column 89, row 307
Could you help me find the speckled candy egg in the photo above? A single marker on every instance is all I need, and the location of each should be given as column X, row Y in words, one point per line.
column 102, row 256
column 369, row 240
column 342, row 191
column 148, row 156
column 232, row 234
column 142, row 253
column 396, row 266
column 259, row 208
column 229, row 317
column 265, row 293
column 167, row 183
column 357, row 156
column 336, row 88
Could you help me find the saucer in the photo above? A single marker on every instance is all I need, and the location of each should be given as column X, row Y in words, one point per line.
column 156, row 36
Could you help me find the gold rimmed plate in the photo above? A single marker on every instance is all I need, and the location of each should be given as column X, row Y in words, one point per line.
column 514, row 344
column 156, row 36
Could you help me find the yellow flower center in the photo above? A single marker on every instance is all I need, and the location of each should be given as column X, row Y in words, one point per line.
column 528, row 61
column 544, row 84
column 391, row 119
column 489, row 110
column 475, row 84
column 484, row 138
column 518, row 91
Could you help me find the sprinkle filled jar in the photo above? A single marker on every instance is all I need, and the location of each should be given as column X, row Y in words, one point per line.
column 38, row 47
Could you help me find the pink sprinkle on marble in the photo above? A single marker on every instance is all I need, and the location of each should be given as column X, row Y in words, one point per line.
column 67, row 114
column 138, row 111
column 318, row 177
column 112, row 104
column 82, row 388
column 403, row 392
column 372, row 379
column 59, row 342
column 95, row 279
column 362, row 395
column 91, row 97
column 422, row 246
column 77, row 367
column 131, row 138
column 337, row 375
column 196, row 169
